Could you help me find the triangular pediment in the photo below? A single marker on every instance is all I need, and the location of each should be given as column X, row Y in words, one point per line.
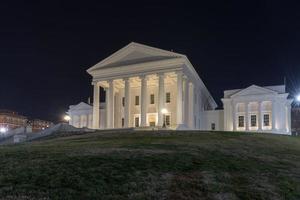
column 81, row 106
column 254, row 90
column 134, row 53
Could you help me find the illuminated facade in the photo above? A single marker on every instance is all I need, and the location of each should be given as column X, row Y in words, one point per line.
column 262, row 109
column 150, row 87
column 141, row 82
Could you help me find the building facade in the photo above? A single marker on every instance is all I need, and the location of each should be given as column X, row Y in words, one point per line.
column 11, row 120
column 150, row 87
column 263, row 109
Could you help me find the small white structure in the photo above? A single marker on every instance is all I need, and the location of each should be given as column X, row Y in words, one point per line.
column 81, row 115
column 263, row 109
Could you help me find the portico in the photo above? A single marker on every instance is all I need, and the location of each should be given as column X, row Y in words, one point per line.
column 140, row 81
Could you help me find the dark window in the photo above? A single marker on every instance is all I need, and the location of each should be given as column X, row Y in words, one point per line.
column 266, row 120
column 168, row 97
column 213, row 126
column 151, row 98
column 253, row 120
column 168, row 120
column 241, row 121
column 123, row 101
column 137, row 100
column 123, row 122
column 136, row 121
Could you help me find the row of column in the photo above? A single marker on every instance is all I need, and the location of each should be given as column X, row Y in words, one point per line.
column 187, row 109
column 259, row 116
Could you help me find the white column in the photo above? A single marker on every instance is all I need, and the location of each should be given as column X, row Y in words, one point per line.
column 273, row 115
column 143, row 101
column 107, row 108
column 127, row 103
column 234, row 118
column 186, row 101
column 110, row 104
column 161, row 98
column 96, row 106
column 260, row 116
column 247, row 115
column 179, row 98
column 191, row 106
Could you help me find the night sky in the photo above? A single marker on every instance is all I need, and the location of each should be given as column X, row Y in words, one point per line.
column 45, row 48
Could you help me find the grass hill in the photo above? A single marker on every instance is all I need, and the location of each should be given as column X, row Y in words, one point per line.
column 152, row 165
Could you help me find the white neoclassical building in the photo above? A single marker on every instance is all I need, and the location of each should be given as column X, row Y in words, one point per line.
column 263, row 109
column 140, row 82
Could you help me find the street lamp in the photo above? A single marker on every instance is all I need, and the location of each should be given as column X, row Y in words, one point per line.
column 298, row 98
column 164, row 112
column 67, row 118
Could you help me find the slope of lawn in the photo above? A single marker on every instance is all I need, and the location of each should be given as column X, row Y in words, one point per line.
column 153, row 165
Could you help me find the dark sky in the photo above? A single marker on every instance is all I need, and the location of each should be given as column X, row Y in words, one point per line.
column 45, row 48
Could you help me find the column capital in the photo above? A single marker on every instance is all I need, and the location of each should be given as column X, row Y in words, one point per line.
column 161, row 74
column 179, row 72
column 96, row 83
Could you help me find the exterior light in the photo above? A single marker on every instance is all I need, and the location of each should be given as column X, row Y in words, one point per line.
column 67, row 118
column 298, row 98
column 164, row 111
column 3, row 130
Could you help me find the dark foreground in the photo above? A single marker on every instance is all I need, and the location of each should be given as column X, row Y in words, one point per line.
column 149, row 166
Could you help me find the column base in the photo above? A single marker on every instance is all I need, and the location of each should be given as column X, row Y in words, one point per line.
column 182, row 127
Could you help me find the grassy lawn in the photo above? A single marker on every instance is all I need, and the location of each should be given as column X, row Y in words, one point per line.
column 144, row 165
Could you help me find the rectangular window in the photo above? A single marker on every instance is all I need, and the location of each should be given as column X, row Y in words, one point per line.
column 168, row 120
column 253, row 120
column 213, row 126
column 123, row 101
column 266, row 120
column 137, row 100
column 136, row 121
column 123, row 122
column 168, row 97
column 241, row 121
column 151, row 98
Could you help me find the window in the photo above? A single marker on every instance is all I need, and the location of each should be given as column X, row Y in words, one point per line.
column 241, row 121
column 266, row 120
column 151, row 98
column 123, row 122
column 168, row 97
column 213, row 126
column 137, row 100
column 123, row 101
column 253, row 120
column 136, row 121
column 168, row 120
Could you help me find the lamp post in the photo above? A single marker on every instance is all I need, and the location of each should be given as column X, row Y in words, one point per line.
column 298, row 98
column 67, row 118
column 164, row 112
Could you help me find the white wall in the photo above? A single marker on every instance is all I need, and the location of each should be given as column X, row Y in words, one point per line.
column 213, row 116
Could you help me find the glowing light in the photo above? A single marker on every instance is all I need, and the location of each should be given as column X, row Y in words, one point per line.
column 67, row 118
column 3, row 130
column 298, row 98
column 164, row 111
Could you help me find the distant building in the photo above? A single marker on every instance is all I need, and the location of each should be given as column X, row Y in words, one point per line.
column 38, row 125
column 11, row 120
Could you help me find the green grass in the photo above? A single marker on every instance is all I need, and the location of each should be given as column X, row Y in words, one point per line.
column 144, row 165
